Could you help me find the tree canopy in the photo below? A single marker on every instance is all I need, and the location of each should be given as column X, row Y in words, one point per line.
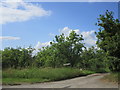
column 109, row 37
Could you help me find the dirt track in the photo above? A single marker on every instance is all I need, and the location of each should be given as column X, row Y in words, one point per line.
column 90, row 81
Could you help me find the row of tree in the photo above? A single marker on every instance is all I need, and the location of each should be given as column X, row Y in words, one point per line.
column 71, row 50
column 19, row 57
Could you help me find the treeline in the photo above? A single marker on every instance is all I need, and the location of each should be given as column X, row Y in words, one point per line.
column 71, row 50
column 17, row 58
column 55, row 56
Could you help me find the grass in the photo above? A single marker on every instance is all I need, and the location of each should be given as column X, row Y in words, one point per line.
column 113, row 77
column 37, row 75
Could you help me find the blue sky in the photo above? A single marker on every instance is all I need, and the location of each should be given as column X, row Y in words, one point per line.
column 36, row 23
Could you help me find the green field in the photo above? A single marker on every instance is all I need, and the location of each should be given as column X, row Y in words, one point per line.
column 37, row 75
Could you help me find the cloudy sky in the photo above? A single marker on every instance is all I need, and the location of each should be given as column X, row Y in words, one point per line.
column 36, row 23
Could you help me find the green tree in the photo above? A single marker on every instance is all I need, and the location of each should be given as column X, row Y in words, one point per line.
column 17, row 58
column 94, row 59
column 69, row 48
column 109, row 38
column 10, row 57
column 62, row 50
column 49, row 57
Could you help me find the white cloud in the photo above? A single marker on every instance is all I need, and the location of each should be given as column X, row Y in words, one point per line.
column 40, row 45
column 20, row 11
column 9, row 38
column 67, row 31
column 89, row 36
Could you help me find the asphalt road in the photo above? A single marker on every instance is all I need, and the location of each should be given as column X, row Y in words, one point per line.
column 90, row 81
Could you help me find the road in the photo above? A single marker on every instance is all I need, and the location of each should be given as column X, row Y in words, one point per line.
column 90, row 81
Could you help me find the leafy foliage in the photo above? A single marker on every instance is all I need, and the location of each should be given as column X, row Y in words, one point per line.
column 109, row 38
column 69, row 47
column 17, row 58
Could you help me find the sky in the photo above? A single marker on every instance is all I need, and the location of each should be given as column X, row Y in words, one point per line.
column 36, row 23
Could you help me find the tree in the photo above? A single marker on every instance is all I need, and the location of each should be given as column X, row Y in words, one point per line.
column 17, row 58
column 10, row 57
column 26, row 58
column 109, row 37
column 94, row 59
column 69, row 48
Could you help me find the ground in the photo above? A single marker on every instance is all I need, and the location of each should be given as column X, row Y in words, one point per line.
column 90, row 81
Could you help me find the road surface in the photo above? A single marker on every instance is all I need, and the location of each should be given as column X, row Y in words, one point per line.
column 90, row 81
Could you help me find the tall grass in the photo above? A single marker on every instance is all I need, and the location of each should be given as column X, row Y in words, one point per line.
column 32, row 75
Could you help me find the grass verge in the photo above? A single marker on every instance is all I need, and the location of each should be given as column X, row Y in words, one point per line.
column 113, row 77
column 37, row 75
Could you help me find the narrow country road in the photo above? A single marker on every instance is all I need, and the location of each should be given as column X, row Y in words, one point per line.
column 90, row 81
